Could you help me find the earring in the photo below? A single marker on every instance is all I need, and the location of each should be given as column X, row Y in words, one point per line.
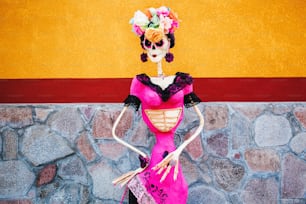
column 144, row 57
column 169, row 57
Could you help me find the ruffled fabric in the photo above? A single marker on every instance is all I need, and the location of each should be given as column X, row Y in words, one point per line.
column 191, row 100
column 133, row 101
column 180, row 81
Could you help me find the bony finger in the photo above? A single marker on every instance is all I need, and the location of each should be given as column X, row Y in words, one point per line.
column 161, row 170
column 175, row 172
column 165, row 174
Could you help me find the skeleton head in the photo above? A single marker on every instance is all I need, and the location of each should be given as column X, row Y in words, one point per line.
column 156, row 50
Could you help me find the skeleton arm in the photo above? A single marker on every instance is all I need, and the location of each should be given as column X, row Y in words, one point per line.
column 120, row 140
column 172, row 159
column 125, row 178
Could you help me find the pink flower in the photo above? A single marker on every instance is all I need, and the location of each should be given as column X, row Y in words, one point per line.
column 174, row 26
column 137, row 29
column 163, row 11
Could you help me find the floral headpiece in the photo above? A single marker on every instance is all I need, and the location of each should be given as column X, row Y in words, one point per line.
column 154, row 23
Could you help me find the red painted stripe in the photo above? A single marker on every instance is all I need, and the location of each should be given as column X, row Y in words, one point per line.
column 116, row 89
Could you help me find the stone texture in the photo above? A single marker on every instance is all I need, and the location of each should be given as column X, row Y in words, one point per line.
column 86, row 176
column 240, row 132
column 22, row 201
column 293, row 174
column 112, row 150
column 88, row 112
column 41, row 114
column 68, row 122
column 103, row 122
column 300, row 114
column 205, row 195
column 262, row 160
column 10, row 145
column 16, row 117
column 16, row 179
column 216, row 117
column 85, row 147
column 195, row 148
column 249, row 110
column 68, row 194
column 227, row 174
column 272, row 131
column 263, row 191
column 218, row 144
column 140, row 134
column 39, row 143
column 102, row 175
column 298, row 143
column 190, row 170
column 281, row 108
column 46, row 175
column 73, row 169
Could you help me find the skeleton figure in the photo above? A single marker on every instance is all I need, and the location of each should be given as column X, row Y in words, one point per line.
column 162, row 99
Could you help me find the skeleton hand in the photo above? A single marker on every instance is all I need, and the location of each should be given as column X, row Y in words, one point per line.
column 171, row 160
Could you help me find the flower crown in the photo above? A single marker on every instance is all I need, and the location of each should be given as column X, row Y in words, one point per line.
column 154, row 23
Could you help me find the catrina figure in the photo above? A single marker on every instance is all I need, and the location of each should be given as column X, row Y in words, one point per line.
column 162, row 98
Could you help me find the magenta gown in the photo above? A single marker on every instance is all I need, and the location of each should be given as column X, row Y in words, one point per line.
column 147, row 187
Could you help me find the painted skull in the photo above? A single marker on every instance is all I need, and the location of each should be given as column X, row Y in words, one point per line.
column 156, row 50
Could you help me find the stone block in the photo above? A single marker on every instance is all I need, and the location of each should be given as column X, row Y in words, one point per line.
column 85, row 147
column 260, row 190
column 250, row 110
column 102, row 175
column 293, row 177
column 16, row 179
column 103, row 122
column 205, row 195
column 216, row 117
column 195, row 148
column 112, row 150
column 39, row 145
column 10, row 145
column 46, row 175
column 272, row 131
column 262, row 160
column 41, row 114
column 218, row 144
column 298, row 143
column 240, row 132
column 73, row 169
column 226, row 173
column 67, row 122
column 16, row 117
column 300, row 114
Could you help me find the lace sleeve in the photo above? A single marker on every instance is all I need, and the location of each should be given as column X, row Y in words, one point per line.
column 191, row 99
column 132, row 100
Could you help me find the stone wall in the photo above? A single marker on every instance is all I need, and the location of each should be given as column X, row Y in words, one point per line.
column 64, row 153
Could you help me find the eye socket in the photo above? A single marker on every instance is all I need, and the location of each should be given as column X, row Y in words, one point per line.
column 160, row 43
column 147, row 43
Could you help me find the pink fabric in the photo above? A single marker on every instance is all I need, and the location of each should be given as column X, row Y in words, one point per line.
column 169, row 191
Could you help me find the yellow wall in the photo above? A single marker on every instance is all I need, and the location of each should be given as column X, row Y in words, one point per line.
column 89, row 39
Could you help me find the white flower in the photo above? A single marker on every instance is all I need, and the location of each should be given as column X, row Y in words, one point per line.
column 140, row 19
column 165, row 23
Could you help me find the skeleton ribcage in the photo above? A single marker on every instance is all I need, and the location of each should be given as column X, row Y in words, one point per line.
column 164, row 119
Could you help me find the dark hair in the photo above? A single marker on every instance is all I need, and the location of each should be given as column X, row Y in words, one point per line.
column 169, row 35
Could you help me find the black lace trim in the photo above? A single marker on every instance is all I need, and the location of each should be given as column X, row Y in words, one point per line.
column 180, row 81
column 191, row 100
column 132, row 100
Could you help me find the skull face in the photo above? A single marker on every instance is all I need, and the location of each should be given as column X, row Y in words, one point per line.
column 158, row 50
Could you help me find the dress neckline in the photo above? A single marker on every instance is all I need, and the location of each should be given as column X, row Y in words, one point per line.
column 180, row 81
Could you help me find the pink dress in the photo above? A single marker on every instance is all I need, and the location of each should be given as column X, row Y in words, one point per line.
column 152, row 97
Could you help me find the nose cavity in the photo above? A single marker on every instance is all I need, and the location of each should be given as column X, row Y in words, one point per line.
column 153, row 46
